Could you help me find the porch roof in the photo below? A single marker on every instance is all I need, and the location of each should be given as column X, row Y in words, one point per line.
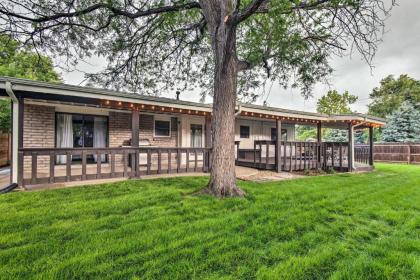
column 125, row 100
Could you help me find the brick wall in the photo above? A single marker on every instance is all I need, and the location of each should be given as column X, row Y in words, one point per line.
column 120, row 130
column 38, row 132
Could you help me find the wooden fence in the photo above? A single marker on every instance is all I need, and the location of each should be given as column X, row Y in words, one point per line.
column 5, row 141
column 397, row 152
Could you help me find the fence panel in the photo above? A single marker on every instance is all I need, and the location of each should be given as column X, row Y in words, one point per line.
column 397, row 152
column 5, row 140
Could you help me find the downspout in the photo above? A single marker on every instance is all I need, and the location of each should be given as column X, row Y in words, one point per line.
column 15, row 129
column 352, row 153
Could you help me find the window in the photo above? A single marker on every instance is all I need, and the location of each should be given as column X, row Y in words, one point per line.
column 81, row 131
column 244, row 131
column 162, row 128
column 196, row 136
column 274, row 134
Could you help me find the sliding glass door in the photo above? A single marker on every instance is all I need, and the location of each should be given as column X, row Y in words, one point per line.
column 81, row 131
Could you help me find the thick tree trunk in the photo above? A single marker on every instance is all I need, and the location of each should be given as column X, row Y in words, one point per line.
column 223, row 179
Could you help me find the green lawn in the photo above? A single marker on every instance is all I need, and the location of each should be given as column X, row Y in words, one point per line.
column 347, row 226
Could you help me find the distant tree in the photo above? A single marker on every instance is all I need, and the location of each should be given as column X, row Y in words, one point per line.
column 19, row 62
column 403, row 125
column 335, row 135
column 331, row 104
column 305, row 133
column 360, row 137
column 391, row 93
column 335, row 103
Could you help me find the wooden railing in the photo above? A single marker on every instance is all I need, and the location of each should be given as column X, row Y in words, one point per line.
column 361, row 153
column 40, row 165
column 294, row 155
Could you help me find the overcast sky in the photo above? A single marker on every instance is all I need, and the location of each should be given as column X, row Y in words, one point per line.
column 399, row 53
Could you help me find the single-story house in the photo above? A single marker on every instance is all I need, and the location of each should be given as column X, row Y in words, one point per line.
column 65, row 133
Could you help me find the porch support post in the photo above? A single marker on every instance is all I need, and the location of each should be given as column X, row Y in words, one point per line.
column 135, row 119
column 208, row 132
column 278, row 146
column 319, row 140
column 351, row 147
column 17, row 141
column 208, row 143
column 370, row 145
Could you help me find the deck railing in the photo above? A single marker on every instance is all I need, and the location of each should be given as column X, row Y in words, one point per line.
column 40, row 165
column 294, row 155
column 361, row 153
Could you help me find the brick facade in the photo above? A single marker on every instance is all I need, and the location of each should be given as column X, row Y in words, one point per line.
column 38, row 131
column 120, row 130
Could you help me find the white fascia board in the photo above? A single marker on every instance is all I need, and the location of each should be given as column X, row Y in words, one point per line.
column 283, row 114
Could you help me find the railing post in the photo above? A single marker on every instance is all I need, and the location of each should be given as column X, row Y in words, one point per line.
column 20, row 167
column 319, row 140
column 351, row 146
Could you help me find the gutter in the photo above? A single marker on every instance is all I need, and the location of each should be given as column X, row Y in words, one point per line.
column 9, row 91
column 239, row 110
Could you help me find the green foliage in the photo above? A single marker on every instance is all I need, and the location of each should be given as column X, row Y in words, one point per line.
column 403, row 125
column 5, row 115
column 343, row 226
column 306, row 132
column 392, row 93
column 335, row 103
column 19, row 62
column 335, row 135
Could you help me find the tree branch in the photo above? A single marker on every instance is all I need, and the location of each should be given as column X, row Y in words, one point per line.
column 107, row 6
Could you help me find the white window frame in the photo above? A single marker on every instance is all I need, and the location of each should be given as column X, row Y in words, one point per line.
column 163, row 119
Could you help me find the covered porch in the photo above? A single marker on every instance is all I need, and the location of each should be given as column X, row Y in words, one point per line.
column 290, row 155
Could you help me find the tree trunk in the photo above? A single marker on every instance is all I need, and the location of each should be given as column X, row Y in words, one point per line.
column 223, row 179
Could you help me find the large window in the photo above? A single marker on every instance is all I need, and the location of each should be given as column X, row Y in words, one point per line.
column 274, row 134
column 81, row 131
column 162, row 128
column 244, row 131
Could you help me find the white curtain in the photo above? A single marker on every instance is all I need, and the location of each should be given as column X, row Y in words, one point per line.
column 196, row 136
column 99, row 135
column 64, row 134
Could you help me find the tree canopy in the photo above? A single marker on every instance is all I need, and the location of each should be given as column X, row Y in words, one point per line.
column 391, row 93
column 21, row 63
column 403, row 124
column 158, row 45
column 335, row 103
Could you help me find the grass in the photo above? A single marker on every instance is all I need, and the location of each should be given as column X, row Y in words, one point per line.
column 343, row 226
